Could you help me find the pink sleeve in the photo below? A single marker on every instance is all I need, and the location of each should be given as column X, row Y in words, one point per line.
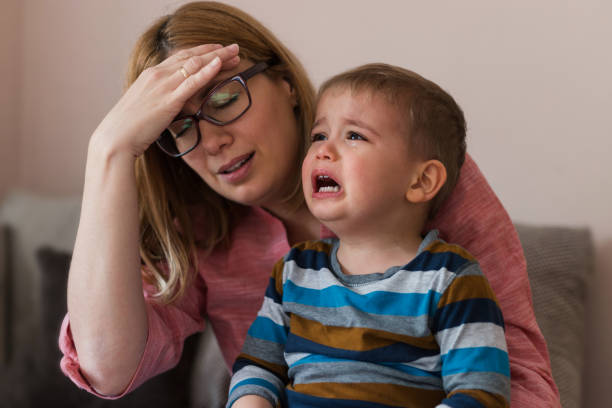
column 169, row 326
column 474, row 218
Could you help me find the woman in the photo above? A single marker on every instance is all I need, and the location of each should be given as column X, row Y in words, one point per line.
column 203, row 211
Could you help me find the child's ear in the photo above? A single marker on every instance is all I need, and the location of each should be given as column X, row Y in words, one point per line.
column 428, row 180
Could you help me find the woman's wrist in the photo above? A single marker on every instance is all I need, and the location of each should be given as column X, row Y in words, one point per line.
column 103, row 148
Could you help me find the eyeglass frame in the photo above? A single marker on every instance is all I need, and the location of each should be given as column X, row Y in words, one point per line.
column 242, row 78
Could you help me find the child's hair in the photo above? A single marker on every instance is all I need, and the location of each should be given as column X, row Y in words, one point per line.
column 436, row 125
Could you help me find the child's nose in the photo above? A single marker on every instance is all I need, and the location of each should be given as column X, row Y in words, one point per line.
column 326, row 151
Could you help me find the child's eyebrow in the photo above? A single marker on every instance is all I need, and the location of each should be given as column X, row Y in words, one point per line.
column 318, row 122
column 362, row 125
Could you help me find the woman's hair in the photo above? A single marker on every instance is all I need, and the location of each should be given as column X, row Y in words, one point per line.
column 434, row 122
column 168, row 189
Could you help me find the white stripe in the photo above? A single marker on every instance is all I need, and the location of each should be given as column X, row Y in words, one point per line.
column 292, row 358
column 274, row 312
column 250, row 371
column 472, row 335
column 401, row 282
column 429, row 363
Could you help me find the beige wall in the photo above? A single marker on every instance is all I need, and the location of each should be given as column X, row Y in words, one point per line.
column 533, row 78
column 10, row 137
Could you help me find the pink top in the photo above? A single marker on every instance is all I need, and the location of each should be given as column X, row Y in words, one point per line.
column 473, row 217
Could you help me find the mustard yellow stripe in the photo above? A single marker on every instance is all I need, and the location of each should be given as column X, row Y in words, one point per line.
column 388, row 394
column 487, row 399
column 318, row 246
column 277, row 275
column 467, row 287
column 438, row 247
column 354, row 338
column 278, row 369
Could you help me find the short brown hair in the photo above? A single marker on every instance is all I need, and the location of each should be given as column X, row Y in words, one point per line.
column 435, row 122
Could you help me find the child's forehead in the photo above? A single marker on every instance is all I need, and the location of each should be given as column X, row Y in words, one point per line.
column 365, row 98
column 362, row 96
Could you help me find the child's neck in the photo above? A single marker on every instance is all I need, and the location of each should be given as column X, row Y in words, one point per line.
column 375, row 253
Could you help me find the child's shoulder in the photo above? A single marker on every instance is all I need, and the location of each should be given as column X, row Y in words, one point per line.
column 315, row 245
column 452, row 257
column 311, row 249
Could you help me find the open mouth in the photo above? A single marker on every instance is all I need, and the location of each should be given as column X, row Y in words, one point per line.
column 238, row 163
column 326, row 184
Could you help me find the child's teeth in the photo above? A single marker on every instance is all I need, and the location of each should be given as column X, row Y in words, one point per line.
column 329, row 189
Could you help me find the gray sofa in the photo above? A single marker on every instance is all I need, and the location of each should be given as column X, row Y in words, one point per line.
column 36, row 238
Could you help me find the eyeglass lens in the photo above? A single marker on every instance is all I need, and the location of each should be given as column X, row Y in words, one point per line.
column 225, row 104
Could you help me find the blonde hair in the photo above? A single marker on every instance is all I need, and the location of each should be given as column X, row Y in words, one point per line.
column 435, row 122
column 167, row 187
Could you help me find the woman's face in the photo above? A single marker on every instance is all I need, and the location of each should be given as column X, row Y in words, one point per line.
column 252, row 160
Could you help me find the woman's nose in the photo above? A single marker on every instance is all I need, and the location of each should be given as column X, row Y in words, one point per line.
column 214, row 138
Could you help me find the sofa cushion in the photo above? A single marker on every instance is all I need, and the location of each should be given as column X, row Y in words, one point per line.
column 559, row 261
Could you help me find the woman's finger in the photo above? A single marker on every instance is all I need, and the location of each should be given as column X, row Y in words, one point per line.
column 196, row 81
column 187, row 53
column 194, row 63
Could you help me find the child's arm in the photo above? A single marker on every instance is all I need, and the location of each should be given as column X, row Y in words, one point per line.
column 469, row 328
column 260, row 371
column 474, row 218
column 251, row 401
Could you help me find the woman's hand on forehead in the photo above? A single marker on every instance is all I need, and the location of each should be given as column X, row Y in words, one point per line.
column 158, row 95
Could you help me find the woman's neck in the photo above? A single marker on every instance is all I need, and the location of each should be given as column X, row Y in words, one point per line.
column 299, row 223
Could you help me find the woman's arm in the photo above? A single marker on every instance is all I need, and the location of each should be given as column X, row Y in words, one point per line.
column 474, row 218
column 108, row 314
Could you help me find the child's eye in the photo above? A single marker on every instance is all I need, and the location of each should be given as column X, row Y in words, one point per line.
column 355, row 136
column 318, row 137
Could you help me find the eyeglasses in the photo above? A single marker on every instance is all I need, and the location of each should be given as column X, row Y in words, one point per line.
column 224, row 104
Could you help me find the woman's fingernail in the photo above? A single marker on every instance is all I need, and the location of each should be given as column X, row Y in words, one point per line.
column 233, row 47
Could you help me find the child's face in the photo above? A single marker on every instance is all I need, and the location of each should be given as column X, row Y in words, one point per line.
column 359, row 166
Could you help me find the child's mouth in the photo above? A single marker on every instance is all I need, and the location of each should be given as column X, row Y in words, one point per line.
column 326, row 184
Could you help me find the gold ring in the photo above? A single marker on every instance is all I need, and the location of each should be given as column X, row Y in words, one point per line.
column 184, row 72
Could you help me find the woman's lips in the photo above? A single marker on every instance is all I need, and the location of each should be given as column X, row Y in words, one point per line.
column 235, row 164
column 237, row 169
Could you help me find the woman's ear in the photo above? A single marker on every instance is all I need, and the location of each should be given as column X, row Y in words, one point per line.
column 429, row 178
column 290, row 89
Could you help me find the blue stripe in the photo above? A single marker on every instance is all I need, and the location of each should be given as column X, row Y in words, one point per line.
column 256, row 381
column 380, row 302
column 462, row 401
column 308, row 258
column 299, row 400
column 417, row 372
column 396, row 353
column 272, row 293
column 475, row 359
column 480, row 310
column 265, row 329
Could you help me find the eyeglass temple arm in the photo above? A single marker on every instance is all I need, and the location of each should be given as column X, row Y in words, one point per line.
column 255, row 69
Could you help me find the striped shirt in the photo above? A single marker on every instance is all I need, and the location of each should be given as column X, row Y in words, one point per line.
column 429, row 333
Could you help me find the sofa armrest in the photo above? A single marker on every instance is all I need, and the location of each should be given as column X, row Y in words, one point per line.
column 559, row 262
